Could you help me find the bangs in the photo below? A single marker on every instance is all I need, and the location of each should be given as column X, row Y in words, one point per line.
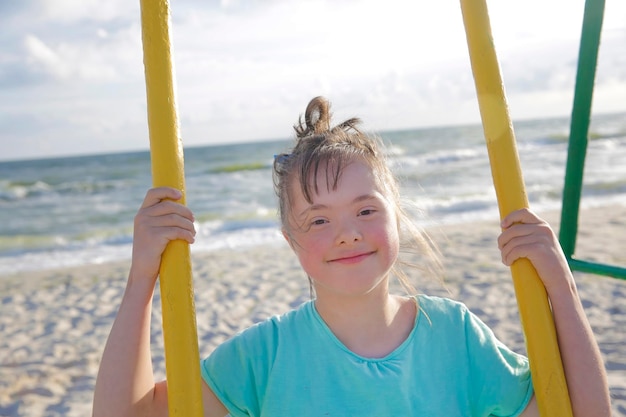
column 323, row 168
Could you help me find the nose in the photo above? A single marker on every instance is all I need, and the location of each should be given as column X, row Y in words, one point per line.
column 348, row 233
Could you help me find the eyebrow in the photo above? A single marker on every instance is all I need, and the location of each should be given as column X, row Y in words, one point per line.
column 358, row 199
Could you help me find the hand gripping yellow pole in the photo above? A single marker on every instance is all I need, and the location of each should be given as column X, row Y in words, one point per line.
column 535, row 313
column 179, row 321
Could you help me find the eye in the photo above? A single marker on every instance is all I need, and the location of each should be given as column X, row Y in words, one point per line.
column 367, row 212
column 318, row 222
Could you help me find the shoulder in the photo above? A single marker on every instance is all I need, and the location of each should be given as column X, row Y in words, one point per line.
column 292, row 319
column 266, row 334
column 451, row 319
column 238, row 371
column 255, row 347
column 441, row 308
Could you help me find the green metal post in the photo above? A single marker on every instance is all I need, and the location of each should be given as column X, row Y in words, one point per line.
column 579, row 127
column 579, row 131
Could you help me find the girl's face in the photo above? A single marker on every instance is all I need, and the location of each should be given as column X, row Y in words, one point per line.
column 346, row 239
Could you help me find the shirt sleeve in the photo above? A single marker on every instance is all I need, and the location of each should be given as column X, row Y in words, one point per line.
column 236, row 371
column 501, row 381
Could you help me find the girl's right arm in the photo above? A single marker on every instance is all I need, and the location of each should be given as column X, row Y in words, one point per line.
column 125, row 385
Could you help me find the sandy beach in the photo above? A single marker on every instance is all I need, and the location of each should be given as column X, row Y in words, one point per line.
column 53, row 324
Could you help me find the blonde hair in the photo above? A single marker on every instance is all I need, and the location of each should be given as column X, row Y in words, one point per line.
column 320, row 146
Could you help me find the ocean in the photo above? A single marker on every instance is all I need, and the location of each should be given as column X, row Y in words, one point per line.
column 79, row 210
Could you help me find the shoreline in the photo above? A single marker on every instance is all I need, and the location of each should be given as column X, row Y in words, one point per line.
column 54, row 323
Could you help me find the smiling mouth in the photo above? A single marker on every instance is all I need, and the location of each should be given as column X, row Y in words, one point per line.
column 352, row 259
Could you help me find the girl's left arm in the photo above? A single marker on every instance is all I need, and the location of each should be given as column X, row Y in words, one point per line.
column 525, row 235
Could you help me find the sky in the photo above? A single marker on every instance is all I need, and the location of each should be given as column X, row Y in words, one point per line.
column 72, row 76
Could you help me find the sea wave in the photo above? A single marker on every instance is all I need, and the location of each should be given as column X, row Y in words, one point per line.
column 30, row 253
column 252, row 166
column 21, row 190
column 73, row 211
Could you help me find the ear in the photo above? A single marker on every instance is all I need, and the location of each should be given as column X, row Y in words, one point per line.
column 287, row 238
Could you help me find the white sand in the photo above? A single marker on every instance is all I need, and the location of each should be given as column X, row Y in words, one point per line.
column 53, row 324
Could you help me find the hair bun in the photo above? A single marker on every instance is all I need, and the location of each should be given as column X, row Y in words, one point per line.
column 316, row 118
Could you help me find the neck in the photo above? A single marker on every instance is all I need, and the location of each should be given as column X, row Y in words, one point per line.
column 371, row 325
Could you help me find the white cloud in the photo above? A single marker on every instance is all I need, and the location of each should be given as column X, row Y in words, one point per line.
column 68, row 11
column 246, row 68
column 68, row 62
column 41, row 58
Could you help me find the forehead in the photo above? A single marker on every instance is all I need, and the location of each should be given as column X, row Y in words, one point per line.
column 329, row 177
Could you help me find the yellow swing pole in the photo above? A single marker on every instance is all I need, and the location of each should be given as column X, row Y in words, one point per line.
column 535, row 313
column 180, row 335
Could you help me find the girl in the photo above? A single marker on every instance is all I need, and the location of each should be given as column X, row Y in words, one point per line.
column 355, row 349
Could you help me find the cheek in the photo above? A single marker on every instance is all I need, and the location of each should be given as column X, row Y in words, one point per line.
column 394, row 248
column 391, row 239
column 310, row 255
column 309, row 246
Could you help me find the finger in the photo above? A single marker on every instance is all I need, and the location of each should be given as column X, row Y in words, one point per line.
column 518, row 252
column 526, row 240
column 158, row 194
column 161, row 230
column 516, row 230
column 163, row 215
column 531, row 250
column 517, row 247
column 523, row 215
column 540, row 232
column 167, row 207
column 175, row 220
column 178, row 233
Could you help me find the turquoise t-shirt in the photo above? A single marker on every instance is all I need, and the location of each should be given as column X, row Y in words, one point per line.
column 292, row 365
